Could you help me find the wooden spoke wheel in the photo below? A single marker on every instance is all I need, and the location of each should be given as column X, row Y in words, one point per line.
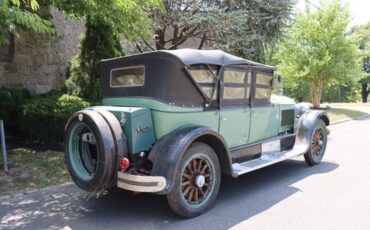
column 318, row 144
column 197, row 181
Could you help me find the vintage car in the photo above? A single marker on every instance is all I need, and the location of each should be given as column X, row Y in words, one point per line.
column 171, row 122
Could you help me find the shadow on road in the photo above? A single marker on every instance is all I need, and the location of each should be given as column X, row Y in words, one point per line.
column 238, row 200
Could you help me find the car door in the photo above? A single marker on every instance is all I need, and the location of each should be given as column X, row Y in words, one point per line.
column 264, row 115
column 234, row 105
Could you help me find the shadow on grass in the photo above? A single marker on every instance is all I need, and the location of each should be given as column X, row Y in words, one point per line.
column 238, row 200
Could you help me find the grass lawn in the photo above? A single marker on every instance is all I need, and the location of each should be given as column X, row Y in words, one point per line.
column 30, row 169
column 338, row 114
column 351, row 104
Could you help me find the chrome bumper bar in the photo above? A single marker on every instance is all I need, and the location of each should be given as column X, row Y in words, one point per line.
column 138, row 183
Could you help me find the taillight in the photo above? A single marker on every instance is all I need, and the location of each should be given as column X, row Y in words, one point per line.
column 124, row 163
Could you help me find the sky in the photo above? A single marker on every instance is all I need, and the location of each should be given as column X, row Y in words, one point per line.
column 360, row 10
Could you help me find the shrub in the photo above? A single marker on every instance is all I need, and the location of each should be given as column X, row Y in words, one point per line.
column 10, row 102
column 43, row 117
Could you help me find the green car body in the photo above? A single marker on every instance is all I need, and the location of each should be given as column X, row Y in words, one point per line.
column 234, row 123
column 174, row 119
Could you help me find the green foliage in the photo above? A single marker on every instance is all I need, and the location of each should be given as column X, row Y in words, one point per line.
column 239, row 27
column 24, row 14
column 102, row 39
column 362, row 34
column 43, row 117
column 10, row 101
column 83, row 79
column 317, row 51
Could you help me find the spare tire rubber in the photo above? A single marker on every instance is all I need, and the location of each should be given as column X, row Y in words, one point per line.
column 119, row 137
column 90, row 151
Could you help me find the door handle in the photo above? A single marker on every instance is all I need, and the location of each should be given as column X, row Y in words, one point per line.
column 224, row 119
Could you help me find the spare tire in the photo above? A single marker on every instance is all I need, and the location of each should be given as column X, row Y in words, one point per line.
column 90, row 151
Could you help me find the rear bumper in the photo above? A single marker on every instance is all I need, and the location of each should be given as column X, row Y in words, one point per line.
column 138, row 183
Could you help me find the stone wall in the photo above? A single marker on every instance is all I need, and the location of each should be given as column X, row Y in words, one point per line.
column 40, row 61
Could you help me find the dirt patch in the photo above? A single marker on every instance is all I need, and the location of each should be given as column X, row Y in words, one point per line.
column 30, row 169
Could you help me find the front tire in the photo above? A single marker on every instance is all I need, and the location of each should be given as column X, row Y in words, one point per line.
column 318, row 144
column 197, row 181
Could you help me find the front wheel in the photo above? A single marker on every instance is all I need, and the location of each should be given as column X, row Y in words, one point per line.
column 197, row 181
column 318, row 144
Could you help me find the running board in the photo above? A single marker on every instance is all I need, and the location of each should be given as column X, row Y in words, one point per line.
column 268, row 157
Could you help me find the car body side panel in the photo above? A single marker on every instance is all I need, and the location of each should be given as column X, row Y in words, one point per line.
column 234, row 125
column 165, row 122
column 264, row 122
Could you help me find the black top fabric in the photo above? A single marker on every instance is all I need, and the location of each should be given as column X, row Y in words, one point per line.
column 212, row 57
column 166, row 75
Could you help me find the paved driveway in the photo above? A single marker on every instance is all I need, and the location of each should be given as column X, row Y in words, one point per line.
column 289, row 195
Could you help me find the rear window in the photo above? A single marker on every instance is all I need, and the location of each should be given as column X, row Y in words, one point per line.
column 127, row 77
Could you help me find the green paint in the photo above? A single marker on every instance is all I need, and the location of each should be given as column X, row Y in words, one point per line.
column 234, row 126
column 165, row 122
column 264, row 122
column 238, row 126
column 148, row 103
column 76, row 149
column 138, row 126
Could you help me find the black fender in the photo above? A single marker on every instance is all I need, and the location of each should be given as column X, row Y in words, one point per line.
column 167, row 152
column 306, row 124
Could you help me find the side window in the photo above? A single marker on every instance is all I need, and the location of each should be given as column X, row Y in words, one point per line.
column 236, row 84
column 206, row 78
column 127, row 77
column 263, row 86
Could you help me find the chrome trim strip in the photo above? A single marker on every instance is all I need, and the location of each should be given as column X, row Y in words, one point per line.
column 139, row 183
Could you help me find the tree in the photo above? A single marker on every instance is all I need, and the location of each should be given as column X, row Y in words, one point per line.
column 317, row 50
column 362, row 34
column 18, row 14
column 240, row 27
column 106, row 22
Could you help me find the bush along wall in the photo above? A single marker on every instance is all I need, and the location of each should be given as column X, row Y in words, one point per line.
column 10, row 102
column 43, row 117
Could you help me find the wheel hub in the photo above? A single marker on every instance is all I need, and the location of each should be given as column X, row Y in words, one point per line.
column 200, row 180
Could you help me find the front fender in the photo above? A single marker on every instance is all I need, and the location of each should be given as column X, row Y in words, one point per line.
column 306, row 124
column 169, row 150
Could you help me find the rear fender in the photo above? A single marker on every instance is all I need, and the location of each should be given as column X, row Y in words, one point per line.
column 169, row 150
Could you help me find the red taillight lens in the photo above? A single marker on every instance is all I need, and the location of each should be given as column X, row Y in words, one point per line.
column 124, row 163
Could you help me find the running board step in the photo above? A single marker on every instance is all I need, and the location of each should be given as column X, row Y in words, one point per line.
column 266, row 159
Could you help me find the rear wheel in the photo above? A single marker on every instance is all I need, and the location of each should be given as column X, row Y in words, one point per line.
column 318, row 144
column 197, row 181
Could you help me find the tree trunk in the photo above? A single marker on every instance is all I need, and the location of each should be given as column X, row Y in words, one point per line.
column 364, row 92
column 316, row 91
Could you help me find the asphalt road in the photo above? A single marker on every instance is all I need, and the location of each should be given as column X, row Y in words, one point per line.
column 289, row 195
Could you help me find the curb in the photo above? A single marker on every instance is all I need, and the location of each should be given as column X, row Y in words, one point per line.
column 350, row 119
column 22, row 193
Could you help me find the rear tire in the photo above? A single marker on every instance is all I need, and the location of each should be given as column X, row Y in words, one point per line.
column 91, row 165
column 318, row 144
column 197, row 181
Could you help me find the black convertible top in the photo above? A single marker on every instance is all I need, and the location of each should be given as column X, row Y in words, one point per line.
column 166, row 74
column 212, row 57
